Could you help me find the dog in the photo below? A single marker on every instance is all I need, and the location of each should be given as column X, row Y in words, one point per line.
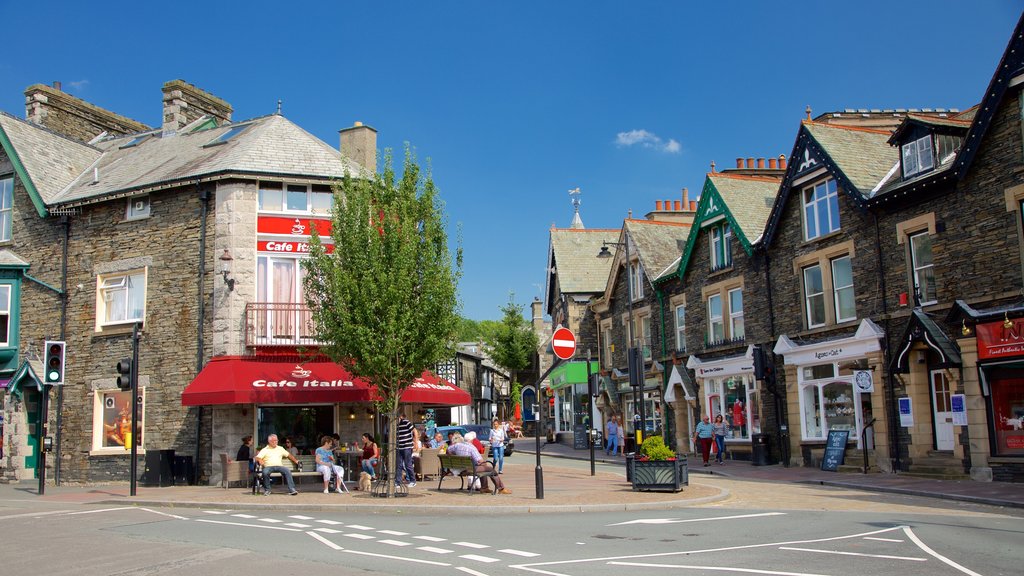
column 364, row 481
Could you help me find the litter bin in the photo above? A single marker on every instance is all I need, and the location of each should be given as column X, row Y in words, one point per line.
column 159, row 468
column 184, row 471
column 629, row 466
column 761, row 453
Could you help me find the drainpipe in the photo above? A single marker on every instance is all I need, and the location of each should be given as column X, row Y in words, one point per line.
column 776, row 396
column 894, row 438
column 666, row 414
column 204, row 211
column 65, row 221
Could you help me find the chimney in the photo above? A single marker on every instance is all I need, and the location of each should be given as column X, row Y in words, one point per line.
column 693, row 205
column 678, row 205
column 75, row 118
column 773, row 163
column 760, row 163
column 359, row 144
column 185, row 103
column 657, row 205
column 538, row 313
column 782, row 161
column 686, row 197
column 739, row 163
column 750, row 163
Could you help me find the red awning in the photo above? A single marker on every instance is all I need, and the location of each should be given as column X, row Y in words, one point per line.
column 236, row 380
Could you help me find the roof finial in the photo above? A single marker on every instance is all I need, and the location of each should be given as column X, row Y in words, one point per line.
column 808, row 111
column 278, row 106
column 630, row 214
column 577, row 222
column 712, row 166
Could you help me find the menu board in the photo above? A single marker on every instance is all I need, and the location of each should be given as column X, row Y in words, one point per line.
column 579, row 437
column 835, row 449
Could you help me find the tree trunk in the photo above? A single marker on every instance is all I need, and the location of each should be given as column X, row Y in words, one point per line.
column 392, row 453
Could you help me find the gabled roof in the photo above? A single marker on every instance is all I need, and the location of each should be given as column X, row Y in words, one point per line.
column 45, row 161
column 745, row 201
column 572, row 258
column 953, row 125
column 921, row 328
column 858, row 158
column 655, row 244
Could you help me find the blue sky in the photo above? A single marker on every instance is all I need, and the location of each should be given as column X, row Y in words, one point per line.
column 516, row 103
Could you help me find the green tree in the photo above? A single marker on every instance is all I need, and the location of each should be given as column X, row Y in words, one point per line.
column 385, row 302
column 512, row 343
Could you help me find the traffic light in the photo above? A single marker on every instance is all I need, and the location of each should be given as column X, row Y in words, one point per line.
column 761, row 363
column 54, row 362
column 635, row 361
column 124, row 374
column 592, row 385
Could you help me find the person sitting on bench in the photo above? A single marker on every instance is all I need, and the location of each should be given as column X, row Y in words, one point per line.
column 460, row 447
column 326, row 466
column 271, row 457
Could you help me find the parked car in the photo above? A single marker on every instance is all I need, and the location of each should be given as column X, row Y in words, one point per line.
column 483, row 432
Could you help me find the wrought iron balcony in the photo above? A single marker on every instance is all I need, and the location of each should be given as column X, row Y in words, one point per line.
column 279, row 324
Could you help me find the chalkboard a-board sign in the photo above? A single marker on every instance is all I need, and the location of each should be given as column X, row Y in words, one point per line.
column 579, row 437
column 835, row 449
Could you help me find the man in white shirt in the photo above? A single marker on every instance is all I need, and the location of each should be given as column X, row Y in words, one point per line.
column 271, row 457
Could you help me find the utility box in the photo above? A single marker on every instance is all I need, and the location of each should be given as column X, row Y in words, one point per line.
column 159, row 468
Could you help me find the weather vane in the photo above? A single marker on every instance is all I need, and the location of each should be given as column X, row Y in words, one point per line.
column 575, row 194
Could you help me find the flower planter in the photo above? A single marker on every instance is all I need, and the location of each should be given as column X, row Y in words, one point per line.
column 660, row 475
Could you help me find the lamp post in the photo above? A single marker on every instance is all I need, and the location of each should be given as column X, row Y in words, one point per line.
column 636, row 376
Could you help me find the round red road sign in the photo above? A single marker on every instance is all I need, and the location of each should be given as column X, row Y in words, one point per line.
column 563, row 343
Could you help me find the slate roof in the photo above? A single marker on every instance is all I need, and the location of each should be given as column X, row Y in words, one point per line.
column 573, row 257
column 922, row 328
column 657, row 244
column 748, row 198
column 10, row 259
column 63, row 170
column 864, row 156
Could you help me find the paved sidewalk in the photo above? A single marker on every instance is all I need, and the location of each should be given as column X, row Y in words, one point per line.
column 994, row 493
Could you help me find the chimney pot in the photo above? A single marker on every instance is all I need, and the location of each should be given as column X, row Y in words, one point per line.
column 773, row 163
column 686, row 197
column 693, row 205
column 760, row 163
column 750, row 163
column 657, row 205
column 739, row 162
column 678, row 205
column 56, row 84
column 782, row 161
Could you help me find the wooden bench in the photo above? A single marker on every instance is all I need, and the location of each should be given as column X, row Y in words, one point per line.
column 308, row 471
column 451, row 462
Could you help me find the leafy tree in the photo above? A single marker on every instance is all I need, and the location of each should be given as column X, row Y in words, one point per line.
column 385, row 302
column 513, row 342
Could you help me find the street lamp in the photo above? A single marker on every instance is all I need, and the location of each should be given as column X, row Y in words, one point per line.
column 634, row 359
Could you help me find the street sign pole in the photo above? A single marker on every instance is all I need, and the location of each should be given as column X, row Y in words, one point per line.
column 134, row 464
column 590, row 432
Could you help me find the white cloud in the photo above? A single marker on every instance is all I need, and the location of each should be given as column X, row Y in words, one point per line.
column 647, row 140
column 78, row 84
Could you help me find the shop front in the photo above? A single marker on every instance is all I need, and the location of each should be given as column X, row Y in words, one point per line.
column 574, row 408
column 727, row 388
column 838, row 387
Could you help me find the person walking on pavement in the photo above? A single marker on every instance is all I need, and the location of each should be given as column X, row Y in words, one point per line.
column 702, row 436
column 405, row 464
column 721, row 431
column 497, row 441
column 271, row 457
column 611, row 436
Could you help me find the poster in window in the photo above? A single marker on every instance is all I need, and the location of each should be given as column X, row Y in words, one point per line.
column 117, row 420
column 958, row 402
column 906, row 412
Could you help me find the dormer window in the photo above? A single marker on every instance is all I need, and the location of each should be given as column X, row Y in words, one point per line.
column 721, row 247
column 918, row 156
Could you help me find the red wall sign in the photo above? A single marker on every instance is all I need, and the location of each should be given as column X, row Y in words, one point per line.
column 997, row 340
column 301, row 226
column 288, row 247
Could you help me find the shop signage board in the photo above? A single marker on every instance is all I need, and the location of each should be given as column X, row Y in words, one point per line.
column 835, row 450
column 1000, row 339
column 563, row 343
column 959, row 404
column 906, row 412
column 579, row 437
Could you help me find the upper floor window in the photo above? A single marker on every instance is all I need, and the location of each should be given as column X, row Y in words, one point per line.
column 814, row 296
column 923, row 269
column 736, row 330
column 315, row 199
column 606, row 345
column 680, row 318
column 636, row 279
column 918, row 156
column 122, row 297
column 821, row 209
column 138, row 208
column 642, row 334
column 716, row 328
column 721, row 247
column 5, row 315
column 828, row 292
column 6, row 207
column 842, row 287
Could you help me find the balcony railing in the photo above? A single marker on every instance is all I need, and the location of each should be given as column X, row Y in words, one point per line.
column 275, row 324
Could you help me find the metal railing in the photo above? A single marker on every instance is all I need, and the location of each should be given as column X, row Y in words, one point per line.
column 279, row 324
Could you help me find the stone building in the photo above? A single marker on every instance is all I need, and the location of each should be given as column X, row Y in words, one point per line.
column 194, row 231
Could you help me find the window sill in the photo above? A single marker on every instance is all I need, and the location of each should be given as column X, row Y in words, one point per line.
column 116, row 329
column 824, row 329
column 820, row 239
column 720, row 271
column 114, row 452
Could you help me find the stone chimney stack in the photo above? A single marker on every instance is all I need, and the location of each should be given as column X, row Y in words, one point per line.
column 185, row 103
column 359, row 144
column 73, row 117
column 537, row 308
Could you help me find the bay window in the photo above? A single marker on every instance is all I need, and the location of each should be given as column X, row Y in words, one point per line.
column 735, row 398
column 828, row 401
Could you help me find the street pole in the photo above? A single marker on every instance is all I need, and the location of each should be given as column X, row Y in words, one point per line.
column 590, row 418
column 134, row 464
column 44, row 418
column 538, row 475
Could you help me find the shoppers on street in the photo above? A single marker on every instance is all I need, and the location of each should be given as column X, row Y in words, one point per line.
column 405, row 445
column 703, row 436
column 497, row 441
column 611, row 436
column 721, row 431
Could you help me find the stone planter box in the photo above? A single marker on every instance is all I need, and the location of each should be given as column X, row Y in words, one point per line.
column 660, row 475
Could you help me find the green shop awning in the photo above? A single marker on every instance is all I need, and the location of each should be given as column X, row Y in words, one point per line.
column 571, row 373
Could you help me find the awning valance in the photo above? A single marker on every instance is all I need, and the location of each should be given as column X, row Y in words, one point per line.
column 236, row 380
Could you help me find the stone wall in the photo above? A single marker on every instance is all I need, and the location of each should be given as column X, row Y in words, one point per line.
column 73, row 117
column 184, row 103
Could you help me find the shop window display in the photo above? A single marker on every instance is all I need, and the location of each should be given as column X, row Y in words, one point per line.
column 828, row 401
column 114, row 419
column 1008, row 412
column 736, row 399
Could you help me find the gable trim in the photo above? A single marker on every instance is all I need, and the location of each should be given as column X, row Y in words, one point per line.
column 701, row 225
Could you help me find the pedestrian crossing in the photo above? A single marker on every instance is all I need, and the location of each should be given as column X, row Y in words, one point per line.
column 340, row 532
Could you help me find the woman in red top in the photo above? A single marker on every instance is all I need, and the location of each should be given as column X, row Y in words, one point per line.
column 371, row 453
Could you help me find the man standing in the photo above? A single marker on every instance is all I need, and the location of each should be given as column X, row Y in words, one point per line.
column 461, row 447
column 405, row 464
column 271, row 457
column 611, row 436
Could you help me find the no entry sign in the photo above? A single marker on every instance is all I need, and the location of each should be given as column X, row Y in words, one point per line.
column 563, row 343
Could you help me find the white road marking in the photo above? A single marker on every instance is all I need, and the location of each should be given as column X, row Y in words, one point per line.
column 471, row 545
column 390, row 557
column 359, row 527
column 327, row 530
column 271, row 520
column 487, row 559
column 164, row 514
column 721, row 569
column 678, row 521
column 301, row 517
column 359, row 536
column 470, row 571
column 34, row 514
column 325, row 541
column 248, row 525
column 518, row 552
column 883, row 539
column 393, row 532
column 913, row 537
column 395, row 542
column 852, row 554
column 430, row 538
column 103, row 510
column 214, row 512
column 330, row 522
column 434, row 550
column 243, row 516
column 297, row 525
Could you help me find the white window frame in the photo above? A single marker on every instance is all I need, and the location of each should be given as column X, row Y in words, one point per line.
column 680, row 322
column 6, row 207
column 642, row 331
column 813, row 203
column 138, row 208
column 309, row 206
column 840, row 291
column 818, row 386
column 918, row 156
column 636, row 275
column 99, row 410
column 918, row 269
column 106, row 284
column 721, row 246
column 606, row 343
column 715, row 320
column 811, row 296
column 715, row 390
column 5, row 311
column 736, row 327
